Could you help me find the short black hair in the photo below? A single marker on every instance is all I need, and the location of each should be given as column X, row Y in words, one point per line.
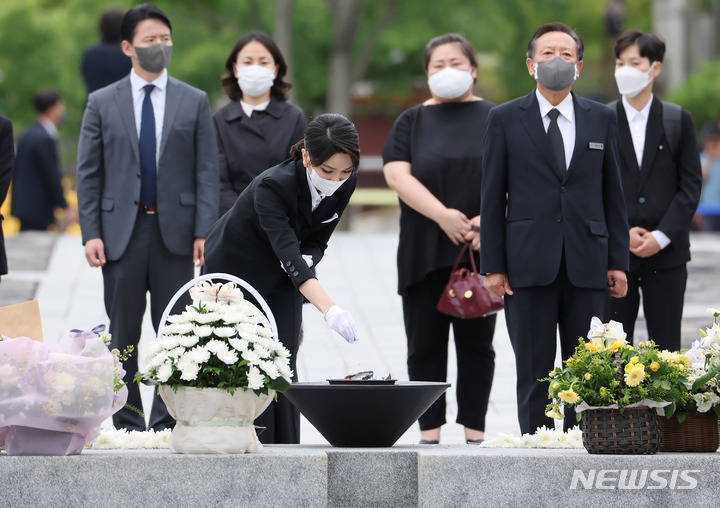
column 139, row 13
column 651, row 46
column 280, row 87
column 457, row 39
column 109, row 25
column 327, row 135
column 45, row 100
column 555, row 27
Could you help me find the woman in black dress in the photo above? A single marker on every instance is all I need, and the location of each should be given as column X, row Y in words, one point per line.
column 257, row 127
column 433, row 161
column 277, row 232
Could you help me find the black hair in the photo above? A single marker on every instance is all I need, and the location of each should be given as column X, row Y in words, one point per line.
column 456, row 39
column 139, row 13
column 555, row 27
column 280, row 87
column 45, row 100
column 327, row 135
column 651, row 46
column 109, row 25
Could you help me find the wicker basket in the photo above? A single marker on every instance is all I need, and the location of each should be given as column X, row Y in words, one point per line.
column 632, row 431
column 698, row 433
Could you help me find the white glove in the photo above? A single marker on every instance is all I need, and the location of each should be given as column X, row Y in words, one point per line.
column 342, row 322
column 308, row 259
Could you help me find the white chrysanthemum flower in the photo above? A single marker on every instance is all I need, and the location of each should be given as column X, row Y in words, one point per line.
column 261, row 351
column 168, row 329
column 176, row 353
column 213, row 306
column 153, row 349
column 190, row 373
column 191, row 315
column 198, row 354
column 203, row 331
column 546, row 438
column 255, row 379
column 270, row 369
column 232, row 317
column 209, row 317
column 158, row 359
column 228, row 357
column 178, row 318
column 214, row 346
column 164, row 372
column 169, row 342
column 253, row 329
column 251, row 356
column 188, row 340
column 239, row 344
column 225, row 331
column 282, row 352
column 285, row 370
column 183, row 328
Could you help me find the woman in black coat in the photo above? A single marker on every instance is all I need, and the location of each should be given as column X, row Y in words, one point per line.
column 257, row 127
column 278, row 230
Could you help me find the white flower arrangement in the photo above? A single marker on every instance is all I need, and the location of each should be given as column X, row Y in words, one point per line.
column 122, row 439
column 224, row 341
column 543, row 438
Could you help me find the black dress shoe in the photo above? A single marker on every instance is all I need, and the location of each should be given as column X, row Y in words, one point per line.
column 474, row 441
column 429, row 441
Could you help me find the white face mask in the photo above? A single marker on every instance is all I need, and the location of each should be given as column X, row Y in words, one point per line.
column 325, row 187
column 450, row 83
column 631, row 81
column 255, row 80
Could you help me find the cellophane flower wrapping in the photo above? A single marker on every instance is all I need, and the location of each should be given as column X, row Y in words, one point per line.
column 58, row 389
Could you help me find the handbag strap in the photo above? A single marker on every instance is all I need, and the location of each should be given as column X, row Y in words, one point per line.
column 466, row 248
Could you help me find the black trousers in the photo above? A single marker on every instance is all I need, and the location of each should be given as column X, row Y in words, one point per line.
column 427, row 333
column 663, row 295
column 281, row 418
column 533, row 316
column 145, row 266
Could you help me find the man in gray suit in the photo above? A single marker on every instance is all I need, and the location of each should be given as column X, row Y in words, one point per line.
column 147, row 189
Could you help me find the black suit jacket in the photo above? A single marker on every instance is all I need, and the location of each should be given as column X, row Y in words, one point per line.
column 37, row 188
column 664, row 193
column 7, row 153
column 272, row 222
column 532, row 210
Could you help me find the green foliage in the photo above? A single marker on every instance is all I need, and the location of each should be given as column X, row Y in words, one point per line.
column 700, row 94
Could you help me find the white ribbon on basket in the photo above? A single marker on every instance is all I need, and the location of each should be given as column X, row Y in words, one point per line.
column 643, row 403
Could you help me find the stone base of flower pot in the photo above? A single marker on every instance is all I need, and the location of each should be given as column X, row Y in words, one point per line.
column 211, row 420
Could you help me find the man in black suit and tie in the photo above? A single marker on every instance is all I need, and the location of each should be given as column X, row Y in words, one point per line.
column 37, row 189
column 662, row 180
column 554, row 227
column 7, row 154
column 148, row 190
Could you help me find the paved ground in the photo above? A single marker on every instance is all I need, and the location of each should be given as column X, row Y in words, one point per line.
column 358, row 272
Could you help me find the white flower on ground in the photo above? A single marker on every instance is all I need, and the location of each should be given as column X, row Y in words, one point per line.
column 251, row 356
column 255, row 379
column 203, row 331
column 188, row 340
column 228, row 357
column 225, row 331
column 198, row 354
column 270, row 369
column 239, row 344
column 164, row 372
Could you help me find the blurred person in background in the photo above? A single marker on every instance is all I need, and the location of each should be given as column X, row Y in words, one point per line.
column 710, row 196
column 661, row 180
column 258, row 126
column 105, row 63
column 7, row 153
column 37, row 180
column 433, row 160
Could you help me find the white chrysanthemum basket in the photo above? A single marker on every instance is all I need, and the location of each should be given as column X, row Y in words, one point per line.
column 211, row 420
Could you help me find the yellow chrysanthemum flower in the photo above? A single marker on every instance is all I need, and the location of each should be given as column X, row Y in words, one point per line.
column 554, row 413
column 654, row 366
column 635, row 376
column 588, row 376
column 686, row 361
column 635, row 359
column 591, row 347
column 569, row 396
column 629, row 367
column 615, row 346
column 629, row 347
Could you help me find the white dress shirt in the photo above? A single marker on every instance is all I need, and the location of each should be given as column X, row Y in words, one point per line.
column 157, row 96
column 249, row 108
column 637, row 121
column 565, row 121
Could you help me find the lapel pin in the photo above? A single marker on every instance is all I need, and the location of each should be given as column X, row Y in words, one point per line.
column 596, row 146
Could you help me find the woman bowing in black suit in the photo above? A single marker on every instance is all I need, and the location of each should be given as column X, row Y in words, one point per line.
column 433, row 161
column 278, row 230
column 258, row 126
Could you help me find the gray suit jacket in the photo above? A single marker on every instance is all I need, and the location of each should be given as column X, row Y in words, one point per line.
column 108, row 173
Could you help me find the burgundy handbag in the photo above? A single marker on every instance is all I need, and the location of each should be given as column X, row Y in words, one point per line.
column 464, row 295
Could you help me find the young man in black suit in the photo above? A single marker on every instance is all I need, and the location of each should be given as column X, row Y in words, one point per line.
column 554, row 227
column 662, row 179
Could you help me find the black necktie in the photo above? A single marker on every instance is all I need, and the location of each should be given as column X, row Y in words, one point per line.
column 556, row 139
column 148, row 162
